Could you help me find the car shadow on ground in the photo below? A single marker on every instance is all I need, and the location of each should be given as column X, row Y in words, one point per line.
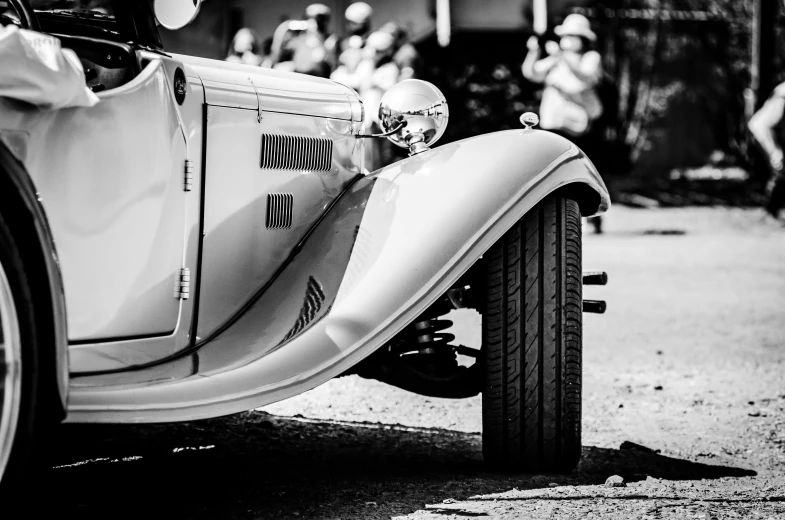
column 256, row 465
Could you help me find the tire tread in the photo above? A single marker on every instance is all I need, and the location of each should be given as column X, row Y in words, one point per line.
column 532, row 342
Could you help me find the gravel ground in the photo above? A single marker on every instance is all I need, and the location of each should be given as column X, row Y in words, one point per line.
column 684, row 399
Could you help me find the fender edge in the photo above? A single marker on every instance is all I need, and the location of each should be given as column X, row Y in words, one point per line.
column 18, row 193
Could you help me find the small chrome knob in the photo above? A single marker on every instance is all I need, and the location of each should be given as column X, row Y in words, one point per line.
column 530, row 120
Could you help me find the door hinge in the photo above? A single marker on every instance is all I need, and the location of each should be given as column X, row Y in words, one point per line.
column 188, row 171
column 182, row 284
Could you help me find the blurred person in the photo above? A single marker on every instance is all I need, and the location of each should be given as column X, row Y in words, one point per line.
column 348, row 62
column 382, row 73
column 379, row 72
column 371, row 76
column 358, row 26
column 406, row 56
column 246, row 48
column 767, row 126
column 309, row 52
column 358, row 19
column 286, row 31
column 267, row 46
column 571, row 73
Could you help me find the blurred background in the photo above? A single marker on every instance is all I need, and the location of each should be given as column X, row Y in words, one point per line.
column 681, row 77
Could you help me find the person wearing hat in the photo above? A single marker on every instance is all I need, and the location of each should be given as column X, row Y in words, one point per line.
column 406, row 56
column 358, row 19
column 246, row 48
column 371, row 77
column 571, row 73
column 358, row 27
column 309, row 51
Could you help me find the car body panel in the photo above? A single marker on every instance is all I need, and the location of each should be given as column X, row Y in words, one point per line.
column 105, row 332
column 118, row 355
column 240, row 252
column 385, row 252
column 117, row 215
column 231, row 152
column 243, row 86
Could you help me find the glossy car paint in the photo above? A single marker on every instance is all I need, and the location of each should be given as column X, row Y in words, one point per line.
column 105, row 333
column 239, row 253
column 286, row 299
column 113, row 195
column 422, row 223
column 119, row 355
column 233, row 85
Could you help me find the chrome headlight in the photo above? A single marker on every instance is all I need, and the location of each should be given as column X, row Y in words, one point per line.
column 415, row 114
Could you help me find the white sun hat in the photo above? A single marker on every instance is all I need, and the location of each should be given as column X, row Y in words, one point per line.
column 358, row 12
column 576, row 25
column 314, row 10
column 380, row 40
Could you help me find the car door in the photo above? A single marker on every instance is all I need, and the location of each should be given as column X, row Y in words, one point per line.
column 111, row 178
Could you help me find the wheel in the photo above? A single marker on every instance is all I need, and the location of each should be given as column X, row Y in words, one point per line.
column 531, row 403
column 20, row 411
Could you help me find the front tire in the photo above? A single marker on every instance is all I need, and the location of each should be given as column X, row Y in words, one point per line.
column 21, row 411
column 532, row 342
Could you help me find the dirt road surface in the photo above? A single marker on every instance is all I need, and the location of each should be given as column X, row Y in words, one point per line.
column 688, row 365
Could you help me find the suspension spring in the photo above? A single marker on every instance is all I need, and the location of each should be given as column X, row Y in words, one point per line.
column 427, row 331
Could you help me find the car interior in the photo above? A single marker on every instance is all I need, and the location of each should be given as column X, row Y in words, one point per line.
column 107, row 63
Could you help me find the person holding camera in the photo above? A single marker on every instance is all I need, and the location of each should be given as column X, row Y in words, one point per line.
column 571, row 72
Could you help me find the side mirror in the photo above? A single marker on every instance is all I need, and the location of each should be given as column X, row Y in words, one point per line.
column 413, row 114
column 176, row 14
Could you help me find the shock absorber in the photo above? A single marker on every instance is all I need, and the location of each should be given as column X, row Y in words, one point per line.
column 428, row 333
column 426, row 339
column 422, row 359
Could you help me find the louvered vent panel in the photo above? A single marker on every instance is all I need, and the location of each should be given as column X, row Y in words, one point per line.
column 296, row 152
column 280, row 207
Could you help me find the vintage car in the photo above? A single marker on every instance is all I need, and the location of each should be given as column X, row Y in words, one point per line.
column 206, row 240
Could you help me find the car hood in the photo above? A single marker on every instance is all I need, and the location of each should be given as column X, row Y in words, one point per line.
column 268, row 90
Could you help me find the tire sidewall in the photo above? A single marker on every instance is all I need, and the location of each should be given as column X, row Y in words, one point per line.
column 19, row 470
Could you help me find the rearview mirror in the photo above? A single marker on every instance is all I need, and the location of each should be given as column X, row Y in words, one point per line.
column 176, row 14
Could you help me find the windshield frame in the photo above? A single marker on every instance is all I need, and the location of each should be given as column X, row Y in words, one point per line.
column 133, row 23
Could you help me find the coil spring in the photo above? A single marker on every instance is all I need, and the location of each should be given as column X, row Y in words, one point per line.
column 427, row 331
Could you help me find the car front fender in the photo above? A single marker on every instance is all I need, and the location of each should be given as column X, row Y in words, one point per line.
column 430, row 217
column 395, row 242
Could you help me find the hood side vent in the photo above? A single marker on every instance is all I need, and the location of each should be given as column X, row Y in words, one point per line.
column 280, row 208
column 296, row 152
